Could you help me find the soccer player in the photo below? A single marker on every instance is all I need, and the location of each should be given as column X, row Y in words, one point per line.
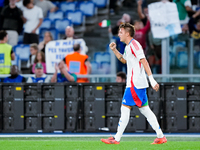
column 136, row 84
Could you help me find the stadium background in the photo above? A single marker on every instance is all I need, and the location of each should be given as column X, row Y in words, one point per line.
column 178, row 102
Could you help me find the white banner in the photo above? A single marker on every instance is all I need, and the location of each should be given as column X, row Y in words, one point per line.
column 164, row 19
column 55, row 51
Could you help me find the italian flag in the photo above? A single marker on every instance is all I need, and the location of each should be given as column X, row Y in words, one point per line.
column 104, row 23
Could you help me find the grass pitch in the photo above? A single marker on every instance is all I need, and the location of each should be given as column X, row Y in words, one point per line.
column 94, row 143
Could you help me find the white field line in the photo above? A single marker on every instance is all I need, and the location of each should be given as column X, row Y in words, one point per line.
column 96, row 135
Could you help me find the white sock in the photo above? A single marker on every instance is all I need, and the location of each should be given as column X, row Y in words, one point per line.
column 151, row 118
column 123, row 121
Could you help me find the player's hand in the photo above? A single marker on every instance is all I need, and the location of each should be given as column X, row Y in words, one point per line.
column 153, row 82
column 34, row 31
column 156, row 87
column 139, row 2
column 112, row 46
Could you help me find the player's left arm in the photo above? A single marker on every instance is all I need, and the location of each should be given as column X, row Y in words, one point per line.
column 154, row 84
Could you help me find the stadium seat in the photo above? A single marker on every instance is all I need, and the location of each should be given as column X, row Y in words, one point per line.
column 101, row 3
column 171, row 59
column 78, row 20
column 182, row 59
column 20, row 39
column 53, row 31
column 57, row 3
column 55, row 15
column 46, row 23
column 89, row 10
column 95, row 67
column 16, row 61
column 22, row 53
column 60, row 25
column 76, row 17
column 197, row 59
column 102, row 57
column 41, row 38
column 67, row 6
column 105, row 67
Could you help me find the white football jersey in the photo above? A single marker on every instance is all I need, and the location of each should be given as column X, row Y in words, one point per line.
column 135, row 71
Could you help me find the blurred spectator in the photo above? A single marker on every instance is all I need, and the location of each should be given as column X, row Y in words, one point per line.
column 11, row 20
column 194, row 28
column 184, row 7
column 64, row 75
column 15, row 76
column 78, row 63
column 141, row 32
column 142, row 14
column 121, row 77
column 120, row 47
column 113, row 6
column 155, row 45
column 47, row 38
column 194, row 25
column 33, row 19
column 126, row 18
column 6, row 53
column 40, row 58
column 33, row 50
column 69, row 33
column 46, row 6
column 39, row 77
column 195, row 5
column 20, row 5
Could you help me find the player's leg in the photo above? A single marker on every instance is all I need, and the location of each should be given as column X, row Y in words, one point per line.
column 151, row 118
column 127, row 103
column 123, row 121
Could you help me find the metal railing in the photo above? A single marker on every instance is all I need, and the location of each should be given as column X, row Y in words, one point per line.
column 111, row 77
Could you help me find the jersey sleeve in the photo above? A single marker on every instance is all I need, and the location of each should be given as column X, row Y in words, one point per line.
column 40, row 14
column 137, row 50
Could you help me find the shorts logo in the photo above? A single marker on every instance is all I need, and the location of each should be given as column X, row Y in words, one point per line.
column 124, row 101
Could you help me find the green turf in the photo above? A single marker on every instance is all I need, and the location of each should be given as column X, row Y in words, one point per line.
column 80, row 143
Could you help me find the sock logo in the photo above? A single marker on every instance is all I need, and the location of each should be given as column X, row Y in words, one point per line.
column 124, row 101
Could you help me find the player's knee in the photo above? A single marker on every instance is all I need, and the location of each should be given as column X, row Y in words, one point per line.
column 144, row 110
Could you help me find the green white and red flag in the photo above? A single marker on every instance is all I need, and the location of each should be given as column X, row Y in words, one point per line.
column 104, row 23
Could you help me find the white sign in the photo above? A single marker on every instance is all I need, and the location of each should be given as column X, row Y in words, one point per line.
column 164, row 19
column 55, row 51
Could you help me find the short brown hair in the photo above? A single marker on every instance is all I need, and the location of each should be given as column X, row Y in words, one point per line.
column 122, row 75
column 3, row 34
column 34, row 45
column 129, row 28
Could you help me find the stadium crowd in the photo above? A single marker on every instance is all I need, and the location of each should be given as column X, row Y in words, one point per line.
column 16, row 18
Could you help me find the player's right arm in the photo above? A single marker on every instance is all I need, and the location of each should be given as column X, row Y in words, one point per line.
column 117, row 53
